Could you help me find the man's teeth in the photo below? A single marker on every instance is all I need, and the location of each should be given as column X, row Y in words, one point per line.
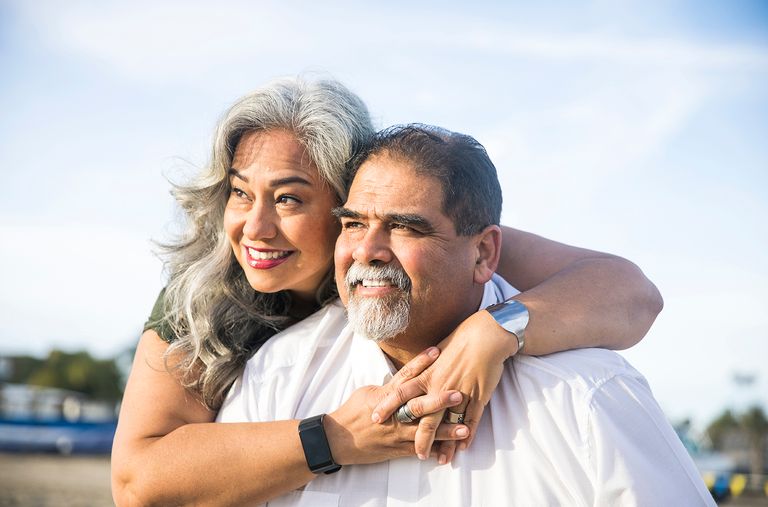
column 375, row 283
column 263, row 256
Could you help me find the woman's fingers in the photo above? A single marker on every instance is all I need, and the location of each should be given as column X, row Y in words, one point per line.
column 445, row 451
column 432, row 403
column 395, row 397
column 403, row 386
column 415, row 366
column 426, row 432
column 472, row 415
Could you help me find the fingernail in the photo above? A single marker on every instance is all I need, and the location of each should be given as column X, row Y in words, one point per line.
column 443, row 459
column 421, row 457
column 462, row 432
column 375, row 417
column 462, row 446
column 455, row 397
column 433, row 352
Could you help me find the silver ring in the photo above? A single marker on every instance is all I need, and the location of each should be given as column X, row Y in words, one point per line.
column 404, row 415
column 453, row 417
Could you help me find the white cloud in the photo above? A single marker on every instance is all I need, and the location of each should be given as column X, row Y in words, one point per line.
column 563, row 152
column 164, row 42
column 74, row 287
column 672, row 53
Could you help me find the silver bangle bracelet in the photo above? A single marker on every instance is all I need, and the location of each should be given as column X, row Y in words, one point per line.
column 512, row 315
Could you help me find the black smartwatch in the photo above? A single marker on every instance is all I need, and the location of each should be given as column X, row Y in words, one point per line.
column 316, row 449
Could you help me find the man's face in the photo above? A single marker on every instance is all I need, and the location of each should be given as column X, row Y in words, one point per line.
column 400, row 265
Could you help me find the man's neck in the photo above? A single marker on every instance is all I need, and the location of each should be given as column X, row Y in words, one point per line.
column 400, row 353
column 424, row 332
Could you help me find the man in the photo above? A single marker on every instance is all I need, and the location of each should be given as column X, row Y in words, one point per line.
column 419, row 244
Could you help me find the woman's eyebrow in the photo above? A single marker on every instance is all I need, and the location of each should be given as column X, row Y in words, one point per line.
column 236, row 174
column 289, row 180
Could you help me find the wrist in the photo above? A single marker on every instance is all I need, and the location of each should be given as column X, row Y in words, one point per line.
column 497, row 341
column 336, row 434
column 314, row 442
column 512, row 317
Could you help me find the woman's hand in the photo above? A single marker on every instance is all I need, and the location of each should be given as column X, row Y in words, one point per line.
column 355, row 440
column 471, row 361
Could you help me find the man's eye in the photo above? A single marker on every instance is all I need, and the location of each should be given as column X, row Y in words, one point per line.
column 351, row 225
column 402, row 227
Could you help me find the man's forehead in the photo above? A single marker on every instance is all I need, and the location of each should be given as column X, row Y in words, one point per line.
column 384, row 175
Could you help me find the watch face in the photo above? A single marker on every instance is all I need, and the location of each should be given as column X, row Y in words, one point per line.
column 316, row 449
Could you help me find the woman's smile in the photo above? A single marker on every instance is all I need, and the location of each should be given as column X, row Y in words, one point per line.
column 264, row 258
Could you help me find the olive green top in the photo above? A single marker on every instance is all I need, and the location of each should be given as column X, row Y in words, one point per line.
column 157, row 322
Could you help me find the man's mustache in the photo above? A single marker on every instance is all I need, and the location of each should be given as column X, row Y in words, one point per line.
column 394, row 275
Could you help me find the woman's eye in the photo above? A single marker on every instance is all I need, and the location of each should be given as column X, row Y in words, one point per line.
column 239, row 193
column 288, row 199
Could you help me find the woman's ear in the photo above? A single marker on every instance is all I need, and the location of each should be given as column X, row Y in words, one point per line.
column 488, row 250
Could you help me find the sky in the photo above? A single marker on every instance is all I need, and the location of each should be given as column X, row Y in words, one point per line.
column 632, row 127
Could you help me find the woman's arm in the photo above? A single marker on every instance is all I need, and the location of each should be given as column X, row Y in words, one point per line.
column 167, row 450
column 575, row 297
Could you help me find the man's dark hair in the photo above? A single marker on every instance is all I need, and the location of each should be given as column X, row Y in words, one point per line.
column 471, row 190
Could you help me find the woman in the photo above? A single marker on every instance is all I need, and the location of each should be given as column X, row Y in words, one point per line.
column 257, row 258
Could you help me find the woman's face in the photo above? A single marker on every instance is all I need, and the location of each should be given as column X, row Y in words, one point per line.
column 278, row 216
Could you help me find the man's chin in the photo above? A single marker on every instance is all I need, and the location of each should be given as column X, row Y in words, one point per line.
column 381, row 318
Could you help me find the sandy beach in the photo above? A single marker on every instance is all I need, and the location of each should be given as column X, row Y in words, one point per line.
column 32, row 480
column 41, row 480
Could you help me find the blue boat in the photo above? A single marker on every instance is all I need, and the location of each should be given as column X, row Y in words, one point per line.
column 37, row 419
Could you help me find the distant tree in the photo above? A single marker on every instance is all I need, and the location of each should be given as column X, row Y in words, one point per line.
column 718, row 429
column 755, row 425
column 751, row 429
column 22, row 367
column 80, row 372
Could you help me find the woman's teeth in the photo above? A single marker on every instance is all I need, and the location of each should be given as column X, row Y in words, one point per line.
column 263, row 256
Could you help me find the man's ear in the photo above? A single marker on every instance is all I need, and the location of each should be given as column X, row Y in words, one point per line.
column 488, row 250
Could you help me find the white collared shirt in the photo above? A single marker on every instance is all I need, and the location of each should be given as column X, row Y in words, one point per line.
column 575, row 428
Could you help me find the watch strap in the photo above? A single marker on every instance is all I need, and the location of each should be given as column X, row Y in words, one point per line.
column 317, row 451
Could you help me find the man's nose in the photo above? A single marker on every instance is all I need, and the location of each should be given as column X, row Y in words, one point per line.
column 373, row 248
column 260, row 222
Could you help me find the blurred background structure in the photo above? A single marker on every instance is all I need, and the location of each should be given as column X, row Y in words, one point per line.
column 637, row 128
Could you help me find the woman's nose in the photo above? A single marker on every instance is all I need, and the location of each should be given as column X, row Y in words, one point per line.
column 260, row 222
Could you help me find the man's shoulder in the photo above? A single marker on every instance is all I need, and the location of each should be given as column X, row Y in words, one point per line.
column 289, row 346
column 582, row 370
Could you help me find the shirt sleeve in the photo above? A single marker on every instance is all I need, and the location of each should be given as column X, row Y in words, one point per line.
column 157, row 320
column 636, row 455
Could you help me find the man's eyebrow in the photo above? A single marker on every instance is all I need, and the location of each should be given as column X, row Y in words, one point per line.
column 342, row 212
column 418, row 222
column 414, row 220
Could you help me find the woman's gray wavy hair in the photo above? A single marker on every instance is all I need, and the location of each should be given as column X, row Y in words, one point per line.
column 218, row 320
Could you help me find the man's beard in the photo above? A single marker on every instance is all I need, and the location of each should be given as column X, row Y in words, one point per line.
column 382, row 317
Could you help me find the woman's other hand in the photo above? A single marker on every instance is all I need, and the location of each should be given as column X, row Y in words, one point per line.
column 355, row 440
column 471, row 361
